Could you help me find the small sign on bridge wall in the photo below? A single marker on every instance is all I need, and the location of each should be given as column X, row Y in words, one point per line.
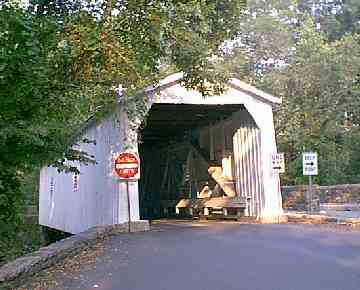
column 76, row 181
column 278, row 162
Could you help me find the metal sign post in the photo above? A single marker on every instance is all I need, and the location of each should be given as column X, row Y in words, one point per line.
column 127, row 167
column 310, row 168
column 128, row 204
column 310, row 193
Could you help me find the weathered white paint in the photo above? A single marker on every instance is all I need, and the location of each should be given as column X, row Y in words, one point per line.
column 263, row 116
column 248, row 165
column 101, row 198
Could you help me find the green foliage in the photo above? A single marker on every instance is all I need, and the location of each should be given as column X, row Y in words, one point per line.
column 35, row 108
column 320, row 103
column 18, row 240
column 9, row 183
column 351, row 145
column 129, row 47
column 264, row 40
column 345, row 20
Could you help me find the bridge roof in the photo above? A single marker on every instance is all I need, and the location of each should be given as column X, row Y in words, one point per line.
column 170, row 90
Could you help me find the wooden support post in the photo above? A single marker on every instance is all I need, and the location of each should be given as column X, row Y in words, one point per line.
column 201, row 137
column 206, row 211
column 223, row 142
column 225, row 211
column 212, row 149
column 191, row 211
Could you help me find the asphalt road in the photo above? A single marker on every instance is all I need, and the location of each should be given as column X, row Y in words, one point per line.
column 224, row 256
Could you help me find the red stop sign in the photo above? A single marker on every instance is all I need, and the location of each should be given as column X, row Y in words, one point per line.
column 127, row 165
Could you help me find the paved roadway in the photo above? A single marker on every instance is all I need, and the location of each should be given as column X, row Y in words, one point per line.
column 226, row 256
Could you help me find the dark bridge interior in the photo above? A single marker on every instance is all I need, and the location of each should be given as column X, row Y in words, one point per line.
column 164, row 138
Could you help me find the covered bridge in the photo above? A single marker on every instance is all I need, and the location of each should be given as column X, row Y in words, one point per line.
column 197, row 154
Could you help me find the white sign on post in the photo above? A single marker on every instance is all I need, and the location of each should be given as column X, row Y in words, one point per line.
column 310, row 163
column 278, row 162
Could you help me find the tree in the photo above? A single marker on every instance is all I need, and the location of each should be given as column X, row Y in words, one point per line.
column 264, row 41
column 343, row 19
column 320, row 90
column 36, row 112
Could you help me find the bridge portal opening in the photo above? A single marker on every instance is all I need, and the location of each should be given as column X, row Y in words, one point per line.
column 188, row 159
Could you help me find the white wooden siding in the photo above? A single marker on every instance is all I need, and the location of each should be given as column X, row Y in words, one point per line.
column 100, row 198
column 248, row 165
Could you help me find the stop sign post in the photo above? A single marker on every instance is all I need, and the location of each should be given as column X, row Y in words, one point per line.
column 127, row 167
column 310, row 168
